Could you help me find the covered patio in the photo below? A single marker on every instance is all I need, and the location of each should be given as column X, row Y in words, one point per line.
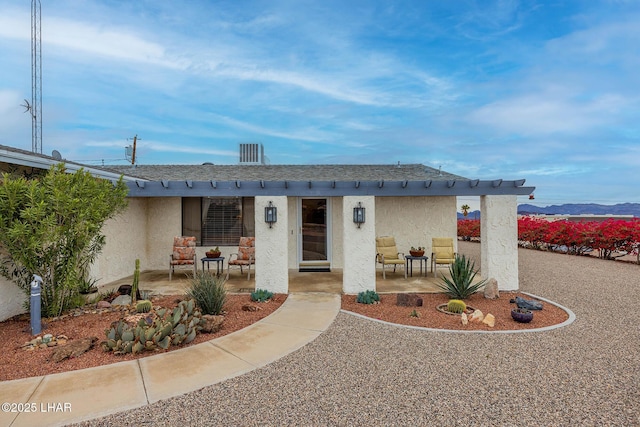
column 157, row 281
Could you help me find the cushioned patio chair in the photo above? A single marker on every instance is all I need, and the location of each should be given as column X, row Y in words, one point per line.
column 387, row 254
column 184, row 254
column 245, row 256
column 442, row 253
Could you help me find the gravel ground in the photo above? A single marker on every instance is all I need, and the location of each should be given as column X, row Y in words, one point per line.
column 365, row 373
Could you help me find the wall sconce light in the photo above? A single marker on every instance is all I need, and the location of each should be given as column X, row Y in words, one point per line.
column 270, row 214
column 358, row 214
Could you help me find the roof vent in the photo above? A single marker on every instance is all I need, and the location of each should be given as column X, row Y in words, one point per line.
column 252, row 154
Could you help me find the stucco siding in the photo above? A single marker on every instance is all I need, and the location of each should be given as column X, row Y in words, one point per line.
column 499, row 240
column 272, row 272
column 126, row 240
column 414, row 221
column 359, row 273
column 12, row 299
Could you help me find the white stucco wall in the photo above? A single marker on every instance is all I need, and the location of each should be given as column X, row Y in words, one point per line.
column 337, row 232
column 414, row 221
column 359, row 245
column 126, row 240
column 499, row 240
column 272, row 270
column 12, row 299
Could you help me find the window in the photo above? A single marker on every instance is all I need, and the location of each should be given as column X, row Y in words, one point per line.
column 218, row 221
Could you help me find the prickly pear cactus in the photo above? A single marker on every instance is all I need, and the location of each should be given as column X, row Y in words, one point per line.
column 176, row 327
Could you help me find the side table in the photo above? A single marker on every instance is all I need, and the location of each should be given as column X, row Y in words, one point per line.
column 218, row 261
column 409, row 263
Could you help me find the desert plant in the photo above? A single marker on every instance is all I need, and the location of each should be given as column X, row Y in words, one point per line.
column 208, row 292
column 50, row 226
column 456, row 306
column 368, row 297
column 261, row 295
column 177, row 327
column 460, row 285
column 136, row 282
column 143, row 306
column 414, row 313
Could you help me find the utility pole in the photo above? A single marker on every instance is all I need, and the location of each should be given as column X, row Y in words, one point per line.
column 36, row 77
column 133, row 153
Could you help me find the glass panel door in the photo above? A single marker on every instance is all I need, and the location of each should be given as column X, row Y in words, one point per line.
column 314, row 230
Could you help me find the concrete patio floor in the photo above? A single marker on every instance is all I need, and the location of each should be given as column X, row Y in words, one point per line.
column 157, row 281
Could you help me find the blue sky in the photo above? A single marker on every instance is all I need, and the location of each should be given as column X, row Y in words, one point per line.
column 543, row 90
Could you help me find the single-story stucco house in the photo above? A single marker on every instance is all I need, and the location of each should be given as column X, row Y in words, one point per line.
column 315, row 228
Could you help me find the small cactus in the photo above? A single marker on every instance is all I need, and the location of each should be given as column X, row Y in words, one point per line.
column 136, row 281
column 143, row 306
column 368, row 297
column 456, row 306
column 261, row 295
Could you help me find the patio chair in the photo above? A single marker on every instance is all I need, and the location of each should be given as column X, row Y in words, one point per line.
column 442, row 253
column 244, row 257
column 387, row 254
column 184, row 254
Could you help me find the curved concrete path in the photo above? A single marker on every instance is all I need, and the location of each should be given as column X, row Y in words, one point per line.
column 74, row 396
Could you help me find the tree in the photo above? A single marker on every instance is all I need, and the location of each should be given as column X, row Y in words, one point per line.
column 465, row 210
column 50, row 226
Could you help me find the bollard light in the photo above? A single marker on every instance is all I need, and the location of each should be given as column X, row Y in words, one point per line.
column 34, row 304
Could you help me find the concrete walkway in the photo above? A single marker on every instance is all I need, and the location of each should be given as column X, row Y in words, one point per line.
column 74, row 396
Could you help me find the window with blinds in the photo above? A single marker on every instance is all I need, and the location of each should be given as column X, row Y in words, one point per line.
column 218, row 221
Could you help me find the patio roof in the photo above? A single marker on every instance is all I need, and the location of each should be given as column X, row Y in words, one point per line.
column 453, row 187
column 308, row 180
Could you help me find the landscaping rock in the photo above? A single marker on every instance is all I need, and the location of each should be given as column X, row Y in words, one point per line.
column 476, row 317
column 491, row 289
column 250, row 307
column 122, row 300
column 212, row 323
column 126, row 290
column 409, row 300
column 489, row 320
column 465, row 319
column 528, row 304
column 73, row 348
column 103, row 304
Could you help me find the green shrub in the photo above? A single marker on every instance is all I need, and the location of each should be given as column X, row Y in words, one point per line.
column 261, row 295
column 368, row 297
column 460, row 285
column 50, row 225
column 208, row 291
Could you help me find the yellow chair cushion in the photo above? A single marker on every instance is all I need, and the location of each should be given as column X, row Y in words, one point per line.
column 386, row 246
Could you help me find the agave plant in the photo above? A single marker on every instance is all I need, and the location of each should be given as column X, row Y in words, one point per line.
column 460, row 285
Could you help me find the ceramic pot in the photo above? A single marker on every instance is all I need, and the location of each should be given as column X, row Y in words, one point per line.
column 212, row 254
column 416, row 253
column 521, row 315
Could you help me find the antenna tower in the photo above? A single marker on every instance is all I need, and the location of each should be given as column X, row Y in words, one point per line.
column 36, row 78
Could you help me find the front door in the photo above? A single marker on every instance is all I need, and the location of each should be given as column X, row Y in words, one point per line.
column 313, row 243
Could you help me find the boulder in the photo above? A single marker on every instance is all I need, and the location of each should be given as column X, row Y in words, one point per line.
column 465, row 319
column 212, row 323
column 489, row 320
column 528, row 304
column 122, row 300
column 250, row 307
column 491, row 289
column 73, row 348
column 126, row 290
column 409, row 300
column 103, row 304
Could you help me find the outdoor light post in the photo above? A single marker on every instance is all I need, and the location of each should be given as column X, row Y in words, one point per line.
column 34, row 303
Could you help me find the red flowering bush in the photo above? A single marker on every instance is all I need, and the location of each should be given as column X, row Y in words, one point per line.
column 610, row 237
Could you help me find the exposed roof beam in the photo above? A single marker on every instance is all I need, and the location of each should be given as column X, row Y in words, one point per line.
column 327, row 188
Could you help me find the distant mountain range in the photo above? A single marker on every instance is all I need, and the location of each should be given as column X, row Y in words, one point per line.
column 572, row 209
